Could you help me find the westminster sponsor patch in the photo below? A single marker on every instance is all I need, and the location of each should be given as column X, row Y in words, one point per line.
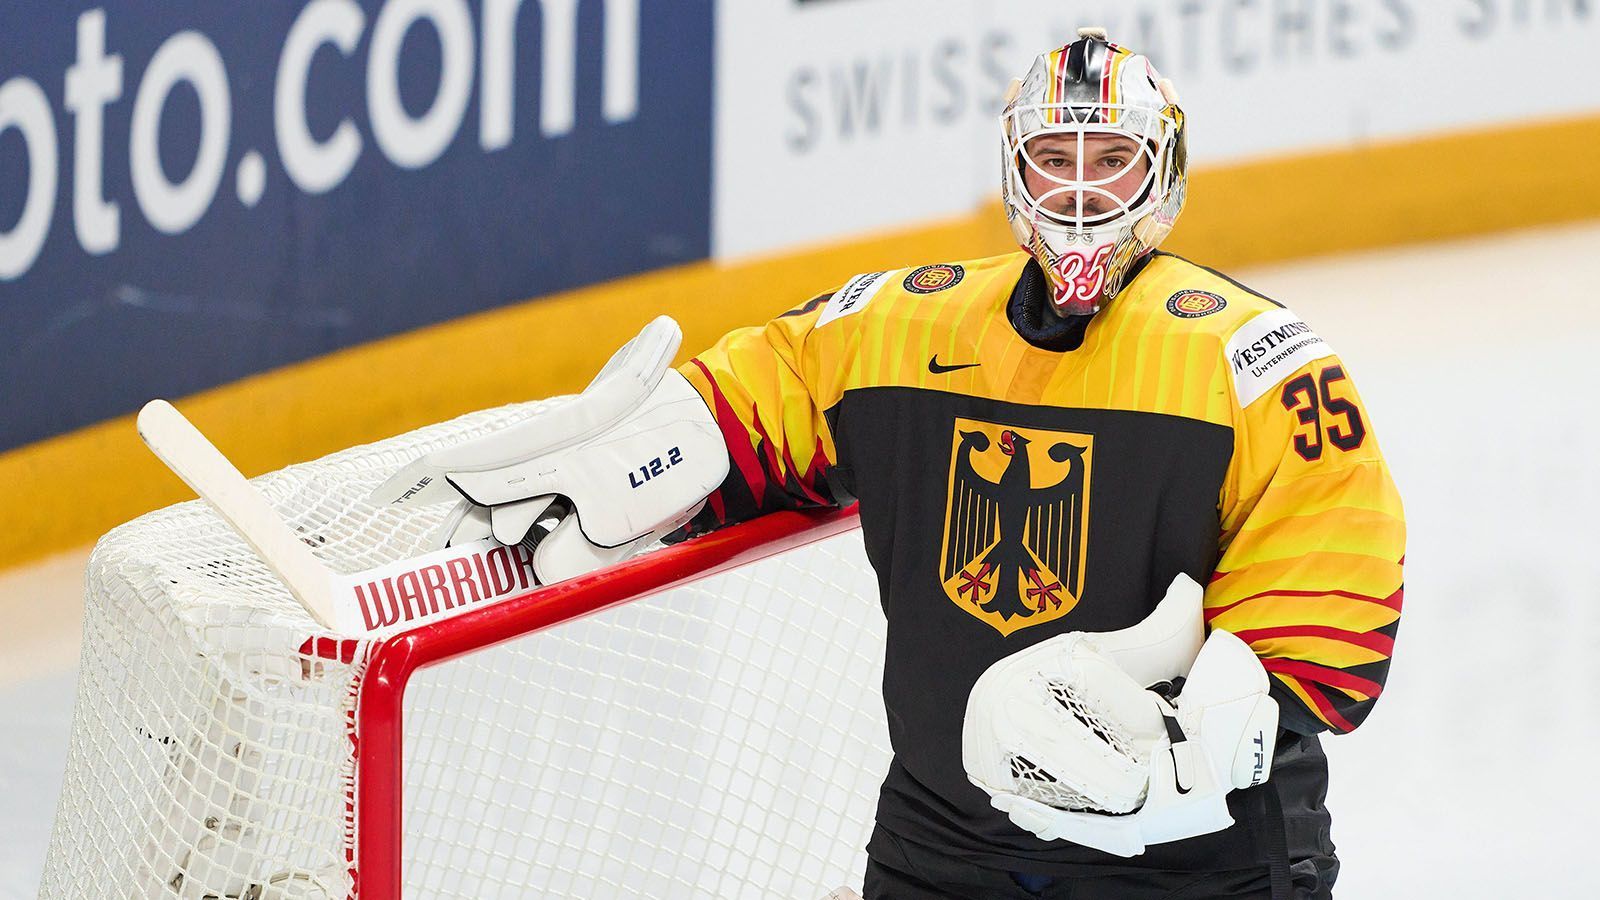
column 1269, row 348
column 1194, row 304
column 853, row 297
column 928, row 279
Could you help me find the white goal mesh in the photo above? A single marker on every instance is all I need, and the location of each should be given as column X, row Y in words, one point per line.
column 721, row 740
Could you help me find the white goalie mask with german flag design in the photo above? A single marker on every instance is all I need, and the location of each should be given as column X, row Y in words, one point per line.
column 1095, row 166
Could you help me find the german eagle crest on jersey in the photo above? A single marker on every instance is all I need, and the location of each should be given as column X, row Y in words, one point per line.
column 1016, row 525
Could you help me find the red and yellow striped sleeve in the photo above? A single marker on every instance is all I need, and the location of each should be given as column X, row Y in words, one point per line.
column 765, row 389
column 1313, row 531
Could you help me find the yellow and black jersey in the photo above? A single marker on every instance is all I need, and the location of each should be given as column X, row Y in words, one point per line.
column 1016, row 483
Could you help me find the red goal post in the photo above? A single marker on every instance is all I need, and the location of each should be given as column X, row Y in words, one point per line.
column 379, row 721
column 704, row 720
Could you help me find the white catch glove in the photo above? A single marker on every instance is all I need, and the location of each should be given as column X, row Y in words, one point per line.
column 1070, row 745
column 624, row 463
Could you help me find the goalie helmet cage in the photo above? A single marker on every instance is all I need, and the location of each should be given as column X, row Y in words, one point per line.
column 701, row 721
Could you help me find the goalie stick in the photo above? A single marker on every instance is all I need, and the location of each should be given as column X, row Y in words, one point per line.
column 177, row 443
column 360, row 603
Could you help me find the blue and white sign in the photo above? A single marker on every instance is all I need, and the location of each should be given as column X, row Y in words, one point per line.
column 191, row 192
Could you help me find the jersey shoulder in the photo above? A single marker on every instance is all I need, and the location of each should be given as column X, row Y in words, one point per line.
column 1200, row 298
column 931, row 289
column 1263, row 342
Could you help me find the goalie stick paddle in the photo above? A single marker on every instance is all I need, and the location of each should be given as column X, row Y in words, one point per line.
column 184, row 450
column 349, row 604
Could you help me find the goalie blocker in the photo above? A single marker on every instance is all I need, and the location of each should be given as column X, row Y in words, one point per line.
column 1121, row 740
column 589, row 482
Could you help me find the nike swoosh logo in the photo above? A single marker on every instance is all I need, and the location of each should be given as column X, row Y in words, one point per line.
column 936, row 368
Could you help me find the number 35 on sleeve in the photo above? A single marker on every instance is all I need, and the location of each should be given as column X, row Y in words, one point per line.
column 1327, row 414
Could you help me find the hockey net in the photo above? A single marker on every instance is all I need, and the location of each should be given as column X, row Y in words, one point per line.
column 649, row 731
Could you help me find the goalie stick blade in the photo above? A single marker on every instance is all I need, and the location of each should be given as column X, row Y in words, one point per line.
column 184, row 450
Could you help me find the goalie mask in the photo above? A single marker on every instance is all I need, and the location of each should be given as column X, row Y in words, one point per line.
column 1095, row 167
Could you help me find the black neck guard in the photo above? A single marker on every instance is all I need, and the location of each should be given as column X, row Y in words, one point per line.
column 1032, row 316
column 1037, row 321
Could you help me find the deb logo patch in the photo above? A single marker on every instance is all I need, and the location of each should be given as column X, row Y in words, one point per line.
column 928, row 279
column 1194, row 304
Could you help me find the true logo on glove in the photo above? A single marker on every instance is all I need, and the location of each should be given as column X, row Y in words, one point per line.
column 1016, row 522
column 415, row 489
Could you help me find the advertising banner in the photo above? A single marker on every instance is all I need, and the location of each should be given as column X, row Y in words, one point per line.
column 192, row 192
column 839, row 117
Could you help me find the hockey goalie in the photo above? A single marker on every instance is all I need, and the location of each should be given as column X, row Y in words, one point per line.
column 1135, row 540
column 1135, row 544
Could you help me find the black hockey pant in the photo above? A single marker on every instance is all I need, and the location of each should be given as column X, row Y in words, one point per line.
column 919, row 874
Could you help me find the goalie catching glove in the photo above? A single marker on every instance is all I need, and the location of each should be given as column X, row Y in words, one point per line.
column 1088, row 737
column 590, row 480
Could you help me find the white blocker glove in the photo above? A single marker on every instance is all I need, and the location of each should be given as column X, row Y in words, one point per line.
column 1077, row 738
column 585, row 482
